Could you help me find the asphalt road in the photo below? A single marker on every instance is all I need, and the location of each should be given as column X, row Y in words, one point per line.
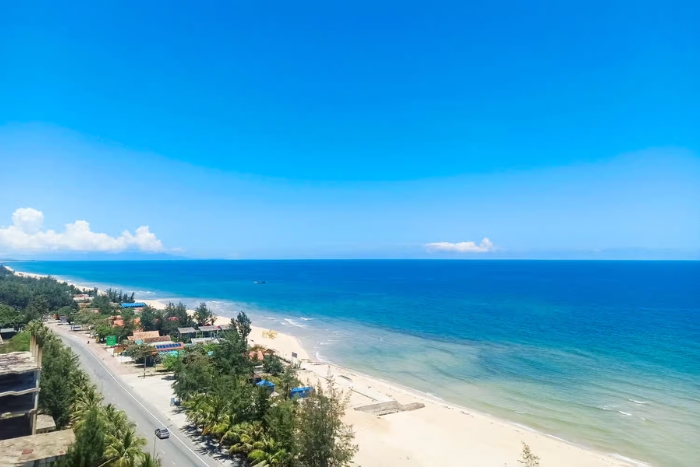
column 178, row 450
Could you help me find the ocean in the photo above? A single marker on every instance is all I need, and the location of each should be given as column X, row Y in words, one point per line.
column 604, row 354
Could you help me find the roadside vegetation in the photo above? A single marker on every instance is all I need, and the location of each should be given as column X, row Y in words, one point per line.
column 104, row 435
column 215, row 383
column 251, row 423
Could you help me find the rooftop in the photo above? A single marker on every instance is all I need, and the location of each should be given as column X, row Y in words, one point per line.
column 19, row 451
column 17, row 362
column 208, row 328
column 143, row 335
column 186, row 330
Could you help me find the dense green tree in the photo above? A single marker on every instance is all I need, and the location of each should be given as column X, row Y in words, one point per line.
column 172, row 362
column 175, row 316
column 287, row 381
column 18, row 291
column 231, row 355
column 90, row 443
column 196, row 374
column 37, row 308
column 203, row 315
column 61, row 379
column 151, row 319
column 103, row 330
column 103, row 304
column 272, row 365
column 122, row 332
column 280, row 421
column 14, row 293
column 9, row 317
column 261, row 403
column 68, row 312
column 242, row 325
column 119, row 296
column 322, row 439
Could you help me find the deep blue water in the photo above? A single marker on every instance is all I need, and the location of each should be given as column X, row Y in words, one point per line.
column 602, row 353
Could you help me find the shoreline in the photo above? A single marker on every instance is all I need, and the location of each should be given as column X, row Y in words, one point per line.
column 455, row 434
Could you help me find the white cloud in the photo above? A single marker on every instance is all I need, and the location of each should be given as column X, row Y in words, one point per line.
column 26, row 234
column 462, row 247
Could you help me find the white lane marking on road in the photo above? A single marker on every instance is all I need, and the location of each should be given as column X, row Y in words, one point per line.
column 136, row 400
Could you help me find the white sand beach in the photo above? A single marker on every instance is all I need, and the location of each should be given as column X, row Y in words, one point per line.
column 437, row 434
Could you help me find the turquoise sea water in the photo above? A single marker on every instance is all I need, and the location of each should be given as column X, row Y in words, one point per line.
column 605, row 354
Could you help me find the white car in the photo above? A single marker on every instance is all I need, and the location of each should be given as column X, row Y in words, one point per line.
column 162, row 433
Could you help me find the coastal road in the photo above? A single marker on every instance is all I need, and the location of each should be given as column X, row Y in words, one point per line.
column 178, row 450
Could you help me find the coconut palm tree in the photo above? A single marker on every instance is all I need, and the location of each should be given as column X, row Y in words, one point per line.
column 149, row 461
column 245, row 437
column 198, row 408
column 219, row 429
column 87, row 398
column 116, row 420
column 269, row 452
column 40, row 332
column 124, row 450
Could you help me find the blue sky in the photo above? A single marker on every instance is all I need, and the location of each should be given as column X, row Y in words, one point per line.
column 283, row 130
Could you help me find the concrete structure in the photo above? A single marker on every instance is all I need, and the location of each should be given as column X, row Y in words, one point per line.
column 44, row 424
column 389, row 407
column 203, row 340
column 19, row 392
column 37, row 450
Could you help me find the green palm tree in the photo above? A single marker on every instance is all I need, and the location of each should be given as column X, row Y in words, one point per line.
column 124, row 450
column 149, row 461
column 220, row 428
column 40, row 332
column 269, row 452
column 206, row 411
column 198, row 408
column 116, row 420
column 86, row 399
column 245, row 437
